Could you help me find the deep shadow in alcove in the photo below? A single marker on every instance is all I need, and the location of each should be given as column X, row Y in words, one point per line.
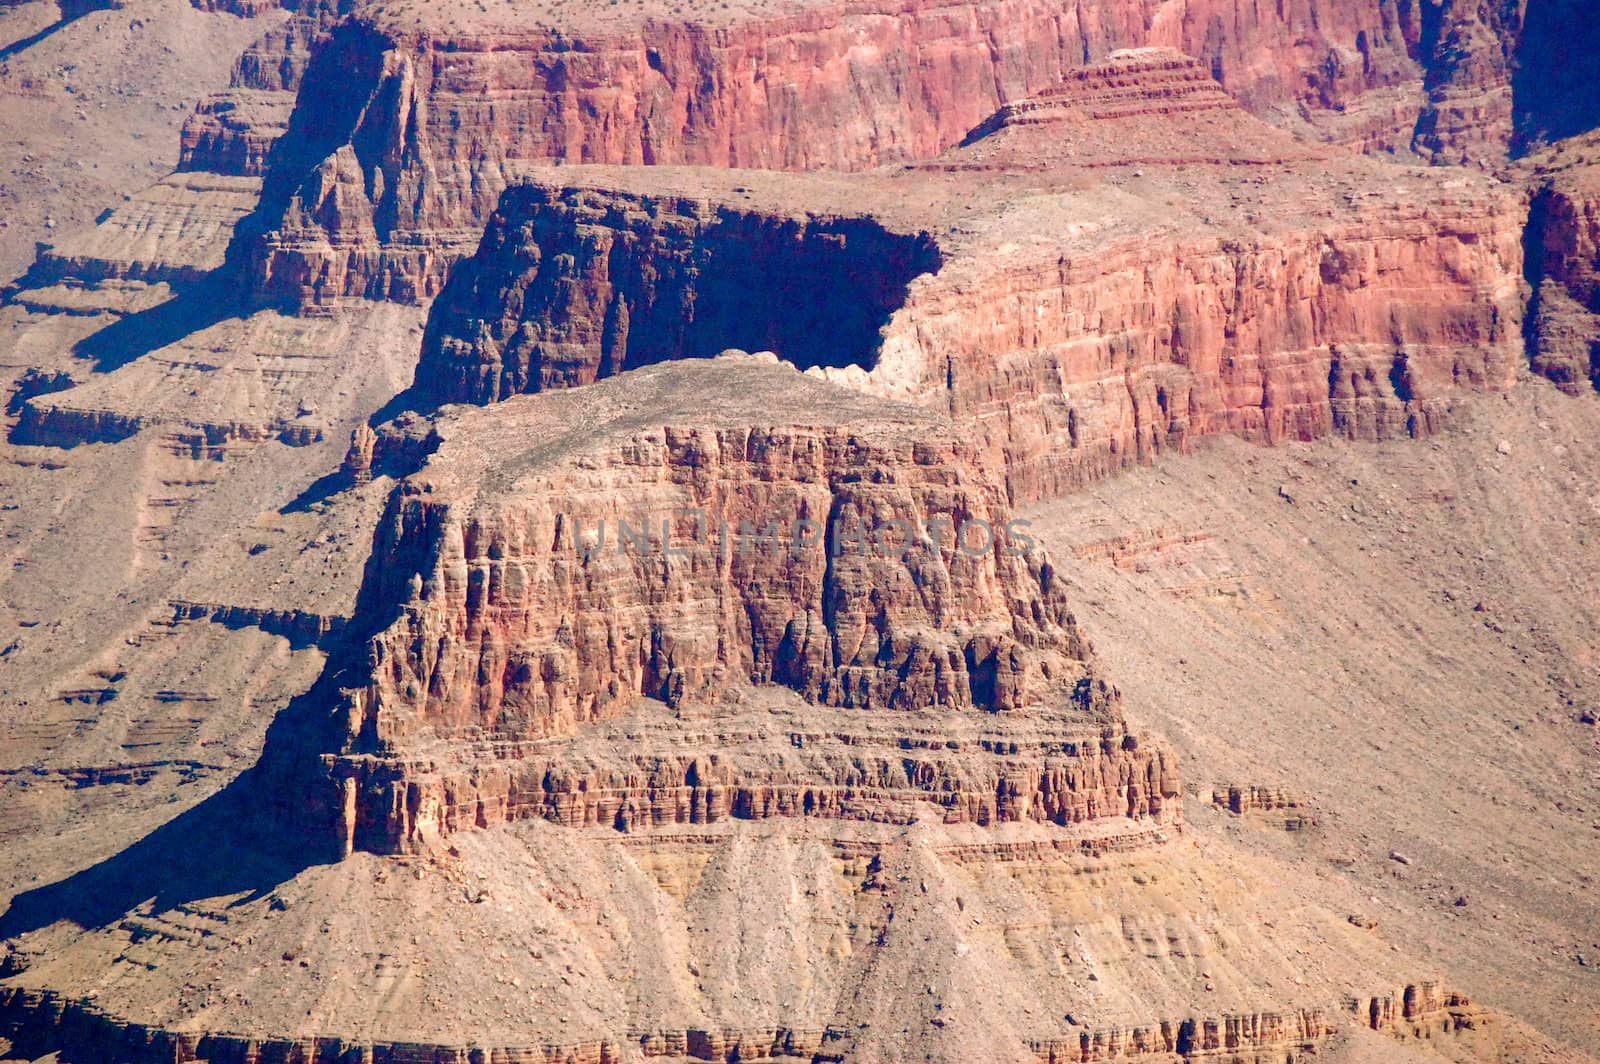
column 1554, row 87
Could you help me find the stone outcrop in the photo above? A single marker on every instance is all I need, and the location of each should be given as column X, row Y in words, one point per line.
column 1073, row 347
column 299, row 627
column 1240, row 799
column 43, row 423
column 559, row 559
column 720, row 614
column 1274, row 803
column 1198, row 339
column 39, row 1019
column 1417, row 1011
column 1563, row 256
column 35, row 1019
column 1100, row 787
column 573, row 285
column 572, row 603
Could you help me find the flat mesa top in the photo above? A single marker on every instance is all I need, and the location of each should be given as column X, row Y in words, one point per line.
column 488, row 449
column 590, row 16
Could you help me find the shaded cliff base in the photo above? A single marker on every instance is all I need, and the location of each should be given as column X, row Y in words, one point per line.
column 1562, row 254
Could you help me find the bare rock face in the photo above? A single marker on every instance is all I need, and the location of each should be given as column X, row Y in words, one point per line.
column 1071, row 347
column 233, row 131
column 1470, row 53
column 1563, row 248
column 560, row 558
column 804, row 606
column 577, row 284
column 431, row 123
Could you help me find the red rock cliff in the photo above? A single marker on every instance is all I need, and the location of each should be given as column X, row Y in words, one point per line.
column 442, row 118
column 560, row 602
column 1087, row 306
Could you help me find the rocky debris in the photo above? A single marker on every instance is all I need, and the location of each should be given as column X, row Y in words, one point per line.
column 1563, row 249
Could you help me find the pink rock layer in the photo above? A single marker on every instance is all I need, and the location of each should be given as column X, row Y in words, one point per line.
column 440, row 121
column 520, row 622
column 1066, row 367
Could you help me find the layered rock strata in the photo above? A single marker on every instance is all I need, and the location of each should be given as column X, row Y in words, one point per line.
column 1090, row 305
column 435, row 121
column 1563, row 249
column 174, row 232
column 233, row 131
column 37, row 1019
column 1469, row 52
column 300, row 627
column 573, row 285
column 559, row 559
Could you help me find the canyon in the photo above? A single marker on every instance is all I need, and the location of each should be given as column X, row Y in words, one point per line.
column 487, row 494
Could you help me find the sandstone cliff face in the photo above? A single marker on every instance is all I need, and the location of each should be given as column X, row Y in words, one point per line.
column 440, row 120
column 1362, row 330
column 562, row 557
column 572, row 285
column 1563, row 254
column 1085, row 321
column 532, row 616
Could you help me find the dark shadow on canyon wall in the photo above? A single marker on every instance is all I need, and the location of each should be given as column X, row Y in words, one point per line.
column 573, row 285
column 1556, row 85
column 199, row 305
column 272, row 822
